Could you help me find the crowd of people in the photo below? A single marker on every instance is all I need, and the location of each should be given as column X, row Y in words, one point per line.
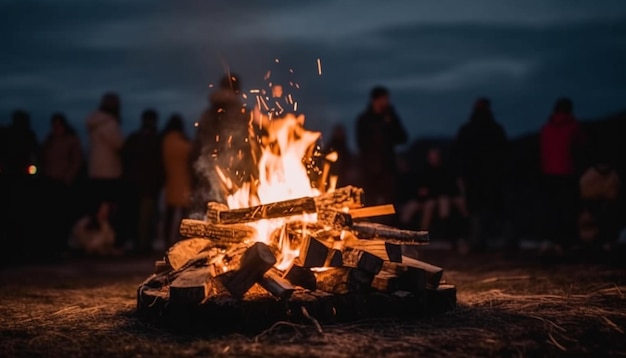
column 106, row 200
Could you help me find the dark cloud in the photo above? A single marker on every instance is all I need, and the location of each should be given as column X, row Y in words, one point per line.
column 435, row 56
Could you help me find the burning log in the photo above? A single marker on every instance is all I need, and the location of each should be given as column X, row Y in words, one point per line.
column 275, row 284
column 367, row 230
column 334, row 218
column 346, row 197
column 257, row 260
column 381, row 248
column 301, row 276
column 334, row 259
column 362, row 260
column 266, row 211
column 182, row 251
column 344, row 280
column 224, row 234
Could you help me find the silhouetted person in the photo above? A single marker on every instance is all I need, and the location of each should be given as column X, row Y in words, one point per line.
column 105, row 162
column 176, row 149
column 561, row 138
column 222, row 141
column 62, row 158
column 600, row 187
column 143, row 171
column 481, row 149
column 378, row 131
column 437, row 192
column 21, row 157
column 343, row 167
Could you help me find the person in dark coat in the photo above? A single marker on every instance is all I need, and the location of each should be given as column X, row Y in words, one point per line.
column 143, row 171
column 560, row 139
column 481, row 149
column 378, row 131
column 222, row 146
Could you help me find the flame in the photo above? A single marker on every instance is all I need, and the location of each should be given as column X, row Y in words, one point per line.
column 282, row 176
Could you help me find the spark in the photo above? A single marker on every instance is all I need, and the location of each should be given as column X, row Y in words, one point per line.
column 295, row 106
column 267, row 75
column 291, row 83
column 210, row 85
column 269, row 84
column 290, row 99
column 291, row 70
column 297, row 86
column 217, row 138
column 258, row 101
column 245, row 96
column 319, row 66
column 276, row 60
column 264, row 104
column 254, row 91
column 32, row 169
column 195, row 124
column 279, row 107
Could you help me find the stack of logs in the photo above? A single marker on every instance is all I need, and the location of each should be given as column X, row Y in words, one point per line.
column 221, row 260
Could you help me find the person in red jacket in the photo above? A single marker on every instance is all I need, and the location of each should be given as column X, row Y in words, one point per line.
column 561, row 138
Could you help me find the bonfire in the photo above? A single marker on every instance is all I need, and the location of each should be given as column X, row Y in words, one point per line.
column 285, row 248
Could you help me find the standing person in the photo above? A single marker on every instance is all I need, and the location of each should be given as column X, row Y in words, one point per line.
column 62, row 159
column 222, row 143
column 178, row 172
column 561, row 138
column 481, row 148
column 105, row 162
column 143, row 172
column 378, row 131
column 21, row 147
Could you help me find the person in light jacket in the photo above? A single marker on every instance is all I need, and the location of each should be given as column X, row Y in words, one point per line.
column 178, row 175
column 105, row 163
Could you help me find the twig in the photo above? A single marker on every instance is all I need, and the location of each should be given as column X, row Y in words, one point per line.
column 557, row 344
column 315, row 322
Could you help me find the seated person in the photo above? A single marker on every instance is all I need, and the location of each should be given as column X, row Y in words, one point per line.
column 93, row 233
column 437, row 192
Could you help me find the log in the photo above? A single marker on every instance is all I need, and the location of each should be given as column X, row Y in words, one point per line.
column 362, row 260
column 344, row 280
column 160, row 266
column 275, row 284
column 279, row 209
column 432, row 273
column 371, row 211
column 301, row 276
column 368, row 230
column 184, row 250
column 313, row 252
column 191, row 286
column 385, row 250
column 256, row 260
column 334, row 258
column 346, row 197
column 394, row 268
column 334, row 218
column 221, row 234
column 385, row 282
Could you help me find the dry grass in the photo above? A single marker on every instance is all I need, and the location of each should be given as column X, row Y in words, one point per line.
column 506, row 308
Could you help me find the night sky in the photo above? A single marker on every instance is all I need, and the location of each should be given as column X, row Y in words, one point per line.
column 435, row 56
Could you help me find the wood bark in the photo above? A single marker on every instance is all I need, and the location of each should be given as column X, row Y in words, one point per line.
column 313, row 252
column 279, row 209
column 274, row 283
column 385, row 250
column 300, row 276
column 346, row 197
column 221, row 234
column 362, row 260
column 368, row 230
column 385, row 282
column 256, row 260
column 191, row 286
column 344, row 280
column 432, row 273
column 184, row 250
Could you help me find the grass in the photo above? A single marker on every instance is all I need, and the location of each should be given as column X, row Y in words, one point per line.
column 85, row 308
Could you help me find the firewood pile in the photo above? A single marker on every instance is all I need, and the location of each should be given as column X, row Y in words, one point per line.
column 341, row 267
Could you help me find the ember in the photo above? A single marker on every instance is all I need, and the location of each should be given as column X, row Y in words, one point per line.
column 285, row 247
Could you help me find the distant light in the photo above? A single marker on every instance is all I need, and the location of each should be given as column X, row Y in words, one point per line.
column 210, row 85
column 277, row 60
column 32, row 169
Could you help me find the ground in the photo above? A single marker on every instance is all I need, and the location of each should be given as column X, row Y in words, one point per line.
column 506, row 307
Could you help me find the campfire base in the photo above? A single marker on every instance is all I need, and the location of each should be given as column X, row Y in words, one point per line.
column 259, row 310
